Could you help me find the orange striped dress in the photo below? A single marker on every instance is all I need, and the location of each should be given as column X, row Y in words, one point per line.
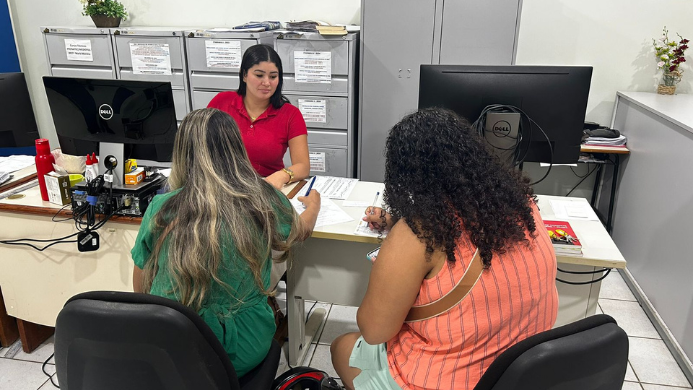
column 514, row 299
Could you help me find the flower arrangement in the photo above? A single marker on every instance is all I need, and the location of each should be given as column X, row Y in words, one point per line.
column 670, row 55
column 110, row 8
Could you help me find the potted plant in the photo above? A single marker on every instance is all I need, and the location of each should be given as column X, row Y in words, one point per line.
column 669, row 58
column 104, row 13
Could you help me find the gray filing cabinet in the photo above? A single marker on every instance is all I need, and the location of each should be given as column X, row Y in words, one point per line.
column 79, row 52
column 154, row 54
column 393, row 48
column 214, row 60
column 320, row 79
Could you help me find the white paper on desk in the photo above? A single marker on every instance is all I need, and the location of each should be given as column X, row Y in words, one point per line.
column 330, row 213
column 14, row 163
column 565, row 209
column 355, row 203
column 544, row 165
column 333, row 187
column 363, row 230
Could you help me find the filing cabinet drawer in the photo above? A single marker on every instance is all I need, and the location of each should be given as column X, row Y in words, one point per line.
column 324, row 161
column 322, row 111
column 125, row 57
column 197, row 54
column 180, row 103
column 338, row 49
column 85, row 73
column 338, row 84
column 200, row 99
column 214, row 81
column 177, row 78
column 99, row 54
column 328, row 138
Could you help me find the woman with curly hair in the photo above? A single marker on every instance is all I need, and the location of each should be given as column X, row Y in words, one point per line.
column 448, row 197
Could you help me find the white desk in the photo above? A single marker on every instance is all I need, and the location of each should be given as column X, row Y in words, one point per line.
column 331, row 266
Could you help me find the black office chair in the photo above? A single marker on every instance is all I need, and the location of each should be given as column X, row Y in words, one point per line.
column 589, row 354
column 117, row 340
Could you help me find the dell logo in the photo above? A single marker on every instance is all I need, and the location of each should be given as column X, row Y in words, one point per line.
column 105, row 112
column 501, row 128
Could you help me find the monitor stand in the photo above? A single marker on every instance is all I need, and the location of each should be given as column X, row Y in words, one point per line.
column 117, row 151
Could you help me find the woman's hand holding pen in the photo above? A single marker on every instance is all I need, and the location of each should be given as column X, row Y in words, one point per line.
column 378, row 219
column 310, row 216
column 311, row 201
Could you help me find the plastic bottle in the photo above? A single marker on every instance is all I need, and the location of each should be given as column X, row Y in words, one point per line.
column 88, row 171
column 44, row 164
column 95, row 164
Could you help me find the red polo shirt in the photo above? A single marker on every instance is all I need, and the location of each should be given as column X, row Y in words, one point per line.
column 266, row 139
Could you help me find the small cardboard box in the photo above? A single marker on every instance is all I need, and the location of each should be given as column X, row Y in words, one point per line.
column 134, row 177
column 58, row 187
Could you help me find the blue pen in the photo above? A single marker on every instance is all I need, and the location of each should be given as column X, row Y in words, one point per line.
column 310, row 186
column 377, row 194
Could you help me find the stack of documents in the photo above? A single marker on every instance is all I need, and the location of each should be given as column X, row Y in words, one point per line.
column 600, row 141
column 259, row 26
column 4, row 176
column 306, row 25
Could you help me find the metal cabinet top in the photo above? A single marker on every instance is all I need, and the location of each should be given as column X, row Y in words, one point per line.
column 149, row 31
column 313, row 36
column 74, row 30
column 226, row 34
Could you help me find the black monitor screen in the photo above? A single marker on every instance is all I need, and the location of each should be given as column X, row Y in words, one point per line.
column 18, row 129
column 555, row 97
column 138, row 114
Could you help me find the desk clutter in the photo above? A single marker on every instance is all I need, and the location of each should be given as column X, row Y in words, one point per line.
column 597, row 135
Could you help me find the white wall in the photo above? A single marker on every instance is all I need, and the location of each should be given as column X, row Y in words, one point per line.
column 29, row 15
column 614, row 36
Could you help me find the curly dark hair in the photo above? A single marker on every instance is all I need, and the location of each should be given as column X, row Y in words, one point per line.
column 441, row 179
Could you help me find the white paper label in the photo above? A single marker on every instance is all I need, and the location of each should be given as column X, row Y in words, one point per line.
column 150, row 58
column 223, row 54
column 313, row 110
column 79, row 50
column 313, row 66
column 317, row 162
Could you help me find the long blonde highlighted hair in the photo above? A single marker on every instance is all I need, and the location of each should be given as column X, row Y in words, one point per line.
column 221, row 196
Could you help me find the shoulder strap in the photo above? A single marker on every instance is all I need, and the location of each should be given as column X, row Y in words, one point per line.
column 453, row 297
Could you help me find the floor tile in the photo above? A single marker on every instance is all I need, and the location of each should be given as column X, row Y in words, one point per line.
column 647, row 386
column 342, row 319
column 613, row 287
column 40, row 354
column 631, row 386
column 322, row 360
column 652, row 363
column 630, row 374
column 631, row 317
column 22, row 375
column 283, row 362
column 48, row 385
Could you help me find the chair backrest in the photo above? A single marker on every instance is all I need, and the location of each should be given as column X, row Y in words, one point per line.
column 588, row 354
column 117, row 340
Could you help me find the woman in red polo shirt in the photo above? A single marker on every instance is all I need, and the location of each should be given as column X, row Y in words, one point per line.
column 269, row 124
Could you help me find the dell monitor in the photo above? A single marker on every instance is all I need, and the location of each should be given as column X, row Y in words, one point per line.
column 123, row 118
column 18, row 130
column 551, row 98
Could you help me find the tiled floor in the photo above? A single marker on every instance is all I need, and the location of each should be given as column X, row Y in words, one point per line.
column 651, row 366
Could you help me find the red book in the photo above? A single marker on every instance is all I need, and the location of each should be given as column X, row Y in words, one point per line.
column 563, row 237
